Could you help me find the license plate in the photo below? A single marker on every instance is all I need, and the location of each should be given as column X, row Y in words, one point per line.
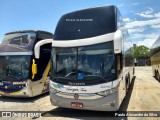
column 77, row 105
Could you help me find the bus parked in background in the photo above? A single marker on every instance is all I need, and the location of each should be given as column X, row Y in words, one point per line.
column 92, row 60
column 17, row 77
column 155, row 59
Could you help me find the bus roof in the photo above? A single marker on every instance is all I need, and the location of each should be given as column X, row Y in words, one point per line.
column 23, row 31
column 97, row 7
column 87, row 23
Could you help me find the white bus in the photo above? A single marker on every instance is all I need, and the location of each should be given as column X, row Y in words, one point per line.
column 92, row 60
column 18, row 74
column 155, row 59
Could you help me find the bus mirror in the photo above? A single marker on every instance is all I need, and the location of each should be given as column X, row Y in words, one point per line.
column 34, row 68
column 39, row 44
column 118, row 42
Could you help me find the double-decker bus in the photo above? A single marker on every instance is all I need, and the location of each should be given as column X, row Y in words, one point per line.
column 92, row 60
column 155, row 59
column 19, row 76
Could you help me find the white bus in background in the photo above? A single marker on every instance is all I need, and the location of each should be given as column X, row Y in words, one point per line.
column 155, row 59
column 92, row 60
column 19, row 76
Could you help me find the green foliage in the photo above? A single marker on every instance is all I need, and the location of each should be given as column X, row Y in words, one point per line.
column 141, row 52
column 129, row 53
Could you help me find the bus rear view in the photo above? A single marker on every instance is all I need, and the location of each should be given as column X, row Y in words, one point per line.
column 88, row 62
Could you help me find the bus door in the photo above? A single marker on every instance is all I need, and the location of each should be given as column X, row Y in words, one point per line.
column 40, row 82
column 120, row 76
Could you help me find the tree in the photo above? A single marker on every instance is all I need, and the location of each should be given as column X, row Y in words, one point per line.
column 129, row 53
column 141, row 52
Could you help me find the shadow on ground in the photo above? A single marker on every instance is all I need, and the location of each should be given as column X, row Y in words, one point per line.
column 125, row 102
column 87, row 114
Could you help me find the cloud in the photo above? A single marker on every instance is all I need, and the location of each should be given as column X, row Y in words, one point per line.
column 149, row 11
column 132, row 11
column 152, row 36
column 157, row 15
column 127, row 45
column 126, row 19
column 135, row 26
column 146, row 14
column 120, row 5
column 155, row 26
column 146, row 42
column 138, row 29
column 137, row 36
column 145, row 36
column 135, row 3
column 143, row 23
column 149, row 14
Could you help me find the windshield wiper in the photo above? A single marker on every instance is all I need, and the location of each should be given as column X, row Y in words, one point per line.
column 91, row 77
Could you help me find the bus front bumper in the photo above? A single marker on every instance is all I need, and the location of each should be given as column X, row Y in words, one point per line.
column 105, row 103
column 20, row 93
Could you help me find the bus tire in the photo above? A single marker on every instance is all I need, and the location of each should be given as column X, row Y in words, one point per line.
column 133, row 70
column 129, row 79
column 155, row 74
column 158, row 76
column 125, row 90
column 126, row 84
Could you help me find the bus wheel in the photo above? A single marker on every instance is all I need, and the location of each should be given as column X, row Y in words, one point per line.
column 127, row 83
column 158, row 76
column 126, row 88
column 155, row 74
column 133, row 70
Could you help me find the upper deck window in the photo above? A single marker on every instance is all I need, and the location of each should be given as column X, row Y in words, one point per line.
column 86, row 23
column 19, row 39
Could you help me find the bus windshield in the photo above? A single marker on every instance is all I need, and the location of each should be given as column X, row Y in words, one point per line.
column 14, row 68
column 87, row 63
column 20, row 39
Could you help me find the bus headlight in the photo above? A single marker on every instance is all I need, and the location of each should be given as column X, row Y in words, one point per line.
column 107, row 92
column 52, row 90
column 114, row 89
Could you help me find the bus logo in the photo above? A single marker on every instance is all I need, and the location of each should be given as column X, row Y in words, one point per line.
column 76, row 96
column 6, row 114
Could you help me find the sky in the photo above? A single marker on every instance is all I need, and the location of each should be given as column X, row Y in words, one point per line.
column 142, row 18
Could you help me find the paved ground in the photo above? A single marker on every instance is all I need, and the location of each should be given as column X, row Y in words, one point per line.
column 143, row 95
column 146, row 92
